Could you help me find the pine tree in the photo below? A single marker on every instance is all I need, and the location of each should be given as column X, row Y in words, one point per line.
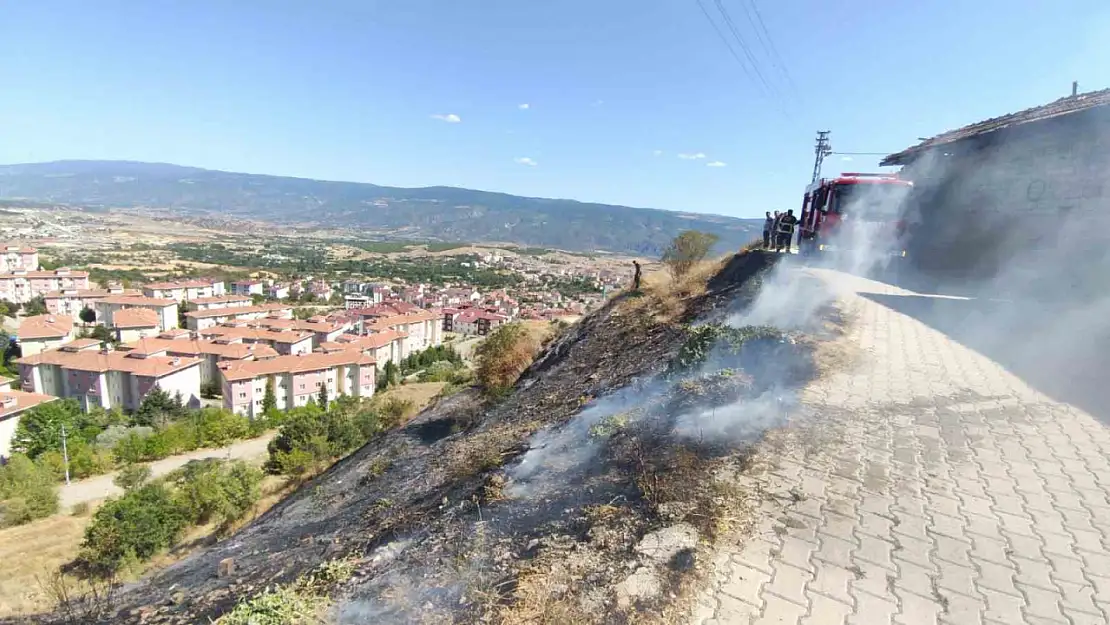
column 269, row 400
column 322, row 400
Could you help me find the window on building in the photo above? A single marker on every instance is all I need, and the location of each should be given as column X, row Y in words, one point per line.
column 242, row 395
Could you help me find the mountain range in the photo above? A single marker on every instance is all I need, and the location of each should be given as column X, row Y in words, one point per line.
column 426, row 213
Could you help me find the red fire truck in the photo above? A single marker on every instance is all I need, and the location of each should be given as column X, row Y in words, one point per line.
column 875, row 200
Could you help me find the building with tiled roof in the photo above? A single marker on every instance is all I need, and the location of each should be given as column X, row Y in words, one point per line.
column 132, row 324
column 42, row 332
column 13, row 404
column 383, row 346
column 165, row 309
column 284, row 341
column 72, row 301
column 21, row 286
column 100, row 376
column 211, row 353
column 16, row 257
column 185, row 290
column 203, row 319
column 296, row 380
column 220, row 301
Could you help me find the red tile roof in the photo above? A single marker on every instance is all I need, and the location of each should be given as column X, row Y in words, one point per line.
column 247, row 370
column 45, row 327
column 137, row 300
column 135, row 318
column 196, row 347
column 238, row 310
column 94, row 360
column 14, row 402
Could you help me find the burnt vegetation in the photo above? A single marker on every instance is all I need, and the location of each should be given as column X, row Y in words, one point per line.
column 584, row 493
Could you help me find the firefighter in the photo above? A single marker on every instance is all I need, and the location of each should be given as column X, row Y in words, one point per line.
column 786, row 230
column 768, row 227
column 774, row 242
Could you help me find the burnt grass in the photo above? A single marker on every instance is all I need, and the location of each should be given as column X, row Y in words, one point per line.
column 441, row 538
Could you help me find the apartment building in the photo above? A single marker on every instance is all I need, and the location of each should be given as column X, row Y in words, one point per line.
column 203, row 319
column 14, row 403
column 323, row 329
column 284, row 341
column 132, row 324
column 18, row 258
column 384, row 346
column 71, row 302
column 166, row 309
column 422, row 329
column 296, row 379
column 220, row 301
column 472, row 321
column 210, row 353
column 277, row 291
column 247, row 287
column 21, row 286
column 100, row 376
column 185, row 289
column 42, row 332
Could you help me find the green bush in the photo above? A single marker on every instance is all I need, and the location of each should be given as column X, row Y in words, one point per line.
column 132, row 476
column 40, row 428
column 27, row 491
column 211, row 490
column 131, row 448
column 136, row 526
column 217, row 427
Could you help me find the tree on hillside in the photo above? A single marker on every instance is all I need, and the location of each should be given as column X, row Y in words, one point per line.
column 686, row 250
column 503, row 356
column 87, row 315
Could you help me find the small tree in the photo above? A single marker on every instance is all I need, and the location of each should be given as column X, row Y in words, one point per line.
column 40, row 428
column 322, row 397
column 503, row 356
column 132, row 476
column 87, row 315
column 27, row 491
column 36, row 306
column 269, row 400
column 686, row 250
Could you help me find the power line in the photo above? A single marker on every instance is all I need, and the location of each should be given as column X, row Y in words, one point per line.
column 774, row 53
column 862, row 153
column 725, row 40
column 743, row 45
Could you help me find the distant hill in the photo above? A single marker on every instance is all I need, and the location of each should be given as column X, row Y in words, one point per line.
column 439, row 213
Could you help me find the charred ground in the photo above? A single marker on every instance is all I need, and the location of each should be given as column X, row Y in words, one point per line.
column 581, row 497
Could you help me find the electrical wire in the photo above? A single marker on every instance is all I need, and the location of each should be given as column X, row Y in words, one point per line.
column 744, row 46
column 776, row 58
column 725, row 40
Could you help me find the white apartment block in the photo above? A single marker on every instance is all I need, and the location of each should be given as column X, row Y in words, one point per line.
column 203, row 319
column 18, row 258
column 109, row 379
column 42, row 332
column 210, row 353
column 247, row 287
column 185, row 290
column 71, row 302
column 296, row 379
column 220, row 301
column 422, row 329
column 166, row 309
column 22, row 286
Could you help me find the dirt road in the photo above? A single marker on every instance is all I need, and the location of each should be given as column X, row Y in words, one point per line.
column 929, row 484
column 101, row 486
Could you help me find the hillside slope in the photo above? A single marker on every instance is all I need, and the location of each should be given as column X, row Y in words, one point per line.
column 442, row 213
column 535, row 509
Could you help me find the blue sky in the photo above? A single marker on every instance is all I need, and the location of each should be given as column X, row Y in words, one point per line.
column 616, row 89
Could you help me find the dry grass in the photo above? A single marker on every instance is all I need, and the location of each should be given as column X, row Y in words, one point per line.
column 31, row 554
column 419, row 393
column 666, row 297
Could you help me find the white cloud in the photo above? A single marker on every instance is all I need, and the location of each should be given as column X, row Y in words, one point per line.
column 691, row 157
column 524, row 107
column 715, row 164
column 450, row 118
column 657, row 153
column 845, row 159
column 598, row 103
column 524, row 160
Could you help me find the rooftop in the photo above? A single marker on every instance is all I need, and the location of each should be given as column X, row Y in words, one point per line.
column 89, row 293
column 249, row 369
column 256, row 334
column 181, row 284
column 1063, row 106
column 99, row 361
column 45, row 327
column 137, row 300
column 135, row 318
column 14, row 402
column 56, row 273
column 239, row 310
column 196, row 347
column 221, row 299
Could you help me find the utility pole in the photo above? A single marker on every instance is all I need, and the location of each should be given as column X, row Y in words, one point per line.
column 65, row 454
column 820, row 151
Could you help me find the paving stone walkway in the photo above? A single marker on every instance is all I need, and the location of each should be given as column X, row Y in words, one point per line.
column 932, row 487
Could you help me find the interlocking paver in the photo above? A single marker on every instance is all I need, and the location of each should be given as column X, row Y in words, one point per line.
column 934, row 487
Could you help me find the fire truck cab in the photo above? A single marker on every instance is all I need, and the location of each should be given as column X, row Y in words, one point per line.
column 876, row 200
